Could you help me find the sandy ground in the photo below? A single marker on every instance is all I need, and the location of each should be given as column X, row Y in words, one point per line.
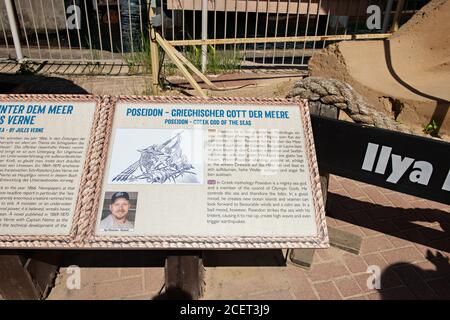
column 410, row 70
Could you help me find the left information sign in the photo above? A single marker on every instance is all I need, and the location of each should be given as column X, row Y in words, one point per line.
column 43, row 147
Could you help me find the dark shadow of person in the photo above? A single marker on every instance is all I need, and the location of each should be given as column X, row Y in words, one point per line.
column 37, row 84
column 405, row 281
column 173, row 294
column 393, row 221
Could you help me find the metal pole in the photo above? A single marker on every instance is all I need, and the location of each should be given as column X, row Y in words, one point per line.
column 387, row 15
column 204, row 33
column 13, row 27
column 4, row 34
column 398, row 12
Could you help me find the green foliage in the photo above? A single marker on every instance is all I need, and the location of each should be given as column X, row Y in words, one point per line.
column 432, row 128
column 94, row 67
column 27, row 68
column 139, row 61
column 216, row 60
column 95, row 54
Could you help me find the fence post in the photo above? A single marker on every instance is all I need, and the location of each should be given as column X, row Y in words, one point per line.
column 398, row 12
column 13, row 27
column 387, row 15
column 154, row 49
column 204, row 33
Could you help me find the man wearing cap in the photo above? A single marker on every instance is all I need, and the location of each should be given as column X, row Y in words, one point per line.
column 117, row 220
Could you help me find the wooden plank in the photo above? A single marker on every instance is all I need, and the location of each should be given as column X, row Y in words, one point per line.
column 278, row 39
column 154, row 60
column 302, row 257
column 199, row 74
column 43, row 267
column 344, row 240
column 193, row 68
column 183, row 277
column 15, row 281
column 169, row 51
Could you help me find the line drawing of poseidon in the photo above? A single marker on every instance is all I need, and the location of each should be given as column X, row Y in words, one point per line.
column 158, row 163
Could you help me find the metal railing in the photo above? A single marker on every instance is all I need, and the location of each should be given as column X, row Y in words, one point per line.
column 267, row 32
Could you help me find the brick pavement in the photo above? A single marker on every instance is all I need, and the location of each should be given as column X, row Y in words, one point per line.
column 406, row 237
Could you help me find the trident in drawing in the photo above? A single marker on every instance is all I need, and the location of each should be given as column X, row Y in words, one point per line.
column 158, row 163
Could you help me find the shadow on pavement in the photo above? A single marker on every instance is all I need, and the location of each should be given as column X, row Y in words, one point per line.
column 418, row 283
column 404, row 280
column 173, row 294
column 244, row 258
column 36, row 84
column 402, row 223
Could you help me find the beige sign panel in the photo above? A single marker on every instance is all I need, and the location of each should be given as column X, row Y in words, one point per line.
column 158, row 172
column 43, row 146
column 211, row 174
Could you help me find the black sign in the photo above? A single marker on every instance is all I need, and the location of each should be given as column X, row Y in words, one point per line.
column 406, row 163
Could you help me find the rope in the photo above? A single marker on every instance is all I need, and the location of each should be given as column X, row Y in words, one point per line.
column 320, row 91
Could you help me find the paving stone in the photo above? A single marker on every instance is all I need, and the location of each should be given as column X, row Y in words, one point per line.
column 353, row 189
column 422, row 291
column 398, row 201
column 119, row 288
column 375, row 259
column 348, row 287
column 401, row 293
column 399, row 240
column 408, row 254
column 271, row 295
column 355, row 264
column 441, row 287
column 130, row 272
column 388, row 279
column 96, row 275
column 300, row 287
column 153, row 279
column 376, row 196
column 355, row 230
column 375, row 244
column 435, row 268
column 360, row 297
column 326, row 271
column 383, row 213
column 327, row 291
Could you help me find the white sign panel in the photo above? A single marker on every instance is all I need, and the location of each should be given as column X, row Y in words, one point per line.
column 236, row 171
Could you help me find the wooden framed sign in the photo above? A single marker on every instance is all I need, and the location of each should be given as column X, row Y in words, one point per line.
column 44, row 146
column 173, row 172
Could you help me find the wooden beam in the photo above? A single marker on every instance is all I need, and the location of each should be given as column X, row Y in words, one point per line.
column 193, row 68
column 199, row 74
column 43, row 267
column 184, row 277
column 277, row 39
column 170, row 52
column 15, row 281
column 154, row 60
column 344, row 240
column 302, row 257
